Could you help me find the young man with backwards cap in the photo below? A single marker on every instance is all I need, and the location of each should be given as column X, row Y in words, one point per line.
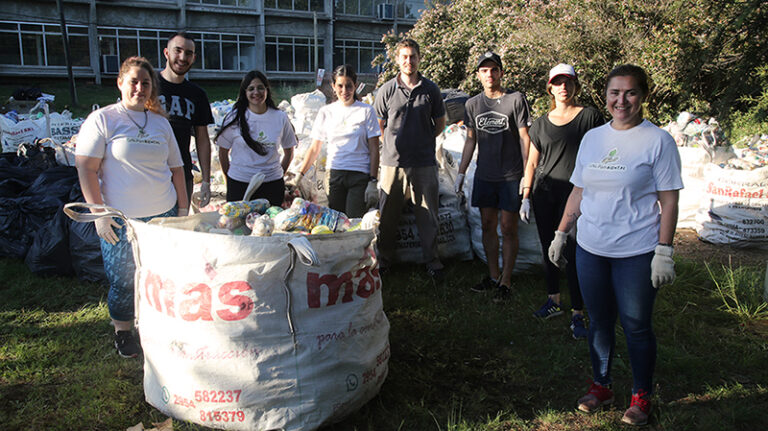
column 497, row 123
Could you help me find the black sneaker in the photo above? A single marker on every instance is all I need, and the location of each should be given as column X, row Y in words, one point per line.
column 126, row 344
column 502, row 294
column 485, row 285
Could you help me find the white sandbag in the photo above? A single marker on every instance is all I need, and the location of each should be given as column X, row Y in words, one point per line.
column 239, row 332
column 529, row 255
column 305, row 107
column 694, row 160
column 15, row 134
column 734, row 207
column 63, row 126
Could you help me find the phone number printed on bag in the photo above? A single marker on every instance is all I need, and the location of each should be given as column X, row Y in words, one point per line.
column 216, row 396
column 222, row 416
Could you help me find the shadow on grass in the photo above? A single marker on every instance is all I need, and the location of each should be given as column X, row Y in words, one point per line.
column 22, row 290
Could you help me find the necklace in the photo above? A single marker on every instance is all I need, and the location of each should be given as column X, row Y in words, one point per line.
column 492, row 103
column 142, row 134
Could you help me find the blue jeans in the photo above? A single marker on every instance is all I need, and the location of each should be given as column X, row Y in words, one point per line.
column 121, row 269
column 619, row 287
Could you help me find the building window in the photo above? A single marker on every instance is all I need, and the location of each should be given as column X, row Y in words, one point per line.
column 358, row 53
column 291, row 54
column 238, row 3
column 410, row 9
column 355, row 7
column 303, row 5
column 215, row 51
column 38, row 44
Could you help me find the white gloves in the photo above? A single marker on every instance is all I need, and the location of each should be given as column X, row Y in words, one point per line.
column 104, row 229
column 458, row 187
column 372, row 194
column 662, row 266
column 525, row 210
column 205, row 193
column 557, row 249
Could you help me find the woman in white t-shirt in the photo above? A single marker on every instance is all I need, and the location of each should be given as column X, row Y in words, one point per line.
column 351, row 131
column 249, row 139
column 127, row 158
column 626, row 184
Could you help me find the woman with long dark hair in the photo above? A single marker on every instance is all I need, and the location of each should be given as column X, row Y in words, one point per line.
column 351, row 132
column 249, row 138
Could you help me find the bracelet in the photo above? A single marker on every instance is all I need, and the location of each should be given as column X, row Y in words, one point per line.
column 665, row 244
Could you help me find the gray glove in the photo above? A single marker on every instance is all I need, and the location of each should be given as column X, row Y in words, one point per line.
column 662, row 266
column 557, row 249
column 104, row 229
column 372, row 194
column 458, row 187
column 525, row 210
column 205, row 193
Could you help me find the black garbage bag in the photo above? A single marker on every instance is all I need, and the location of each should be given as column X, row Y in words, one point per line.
column 84, row 246
column 49, row 253
column 454, row 100
column 36, row 156
column 13, row 242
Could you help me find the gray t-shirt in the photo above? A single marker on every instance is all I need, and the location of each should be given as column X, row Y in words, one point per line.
column 409, row 114
column 496, row 123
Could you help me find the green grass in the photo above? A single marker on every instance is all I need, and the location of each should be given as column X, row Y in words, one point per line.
column 458, row 362
column 89, row 93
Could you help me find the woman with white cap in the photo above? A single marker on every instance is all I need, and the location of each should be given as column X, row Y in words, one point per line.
column 555, row 140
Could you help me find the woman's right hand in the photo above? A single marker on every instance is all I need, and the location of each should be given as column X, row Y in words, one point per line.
column 104, row 229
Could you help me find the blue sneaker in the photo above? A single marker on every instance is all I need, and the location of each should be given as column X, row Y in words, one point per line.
column 549, row 309
column 578, row 329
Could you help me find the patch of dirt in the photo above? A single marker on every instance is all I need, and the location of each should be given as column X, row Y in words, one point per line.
column 688, row 245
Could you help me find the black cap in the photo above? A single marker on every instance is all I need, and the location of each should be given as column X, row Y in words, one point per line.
column 489, row 56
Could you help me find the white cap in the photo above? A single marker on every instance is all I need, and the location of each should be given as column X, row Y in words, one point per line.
column 561, row 69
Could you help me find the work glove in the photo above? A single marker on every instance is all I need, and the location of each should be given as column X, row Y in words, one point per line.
column 525, row 210
column 458, row 187
column 557, row 249
column 372, row 194
column 205, row 194
column 662, row 266
column 104, row 229
column 293, row 182
column 182, row 212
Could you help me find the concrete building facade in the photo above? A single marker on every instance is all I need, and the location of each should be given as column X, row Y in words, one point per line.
column 289, row 39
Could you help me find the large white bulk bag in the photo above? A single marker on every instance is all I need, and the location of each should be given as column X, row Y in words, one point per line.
column 285, row 332
column 734, row 207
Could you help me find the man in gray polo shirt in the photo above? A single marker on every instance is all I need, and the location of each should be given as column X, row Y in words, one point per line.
column 411, row 114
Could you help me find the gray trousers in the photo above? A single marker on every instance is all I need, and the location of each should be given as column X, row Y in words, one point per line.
column 420, row 186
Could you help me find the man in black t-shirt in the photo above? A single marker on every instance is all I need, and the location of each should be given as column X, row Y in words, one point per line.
column 188, row 108
column 497, row 124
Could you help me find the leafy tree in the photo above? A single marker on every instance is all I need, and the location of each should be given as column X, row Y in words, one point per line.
column 702, row 55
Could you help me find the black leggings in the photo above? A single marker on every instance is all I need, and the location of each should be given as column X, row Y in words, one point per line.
column 273, row 191
column 548, row 208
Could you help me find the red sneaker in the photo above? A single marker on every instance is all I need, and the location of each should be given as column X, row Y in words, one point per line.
column 597, row 397
column 639, row 409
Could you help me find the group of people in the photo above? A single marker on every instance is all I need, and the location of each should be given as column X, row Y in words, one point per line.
column 605, row 199
column 604, row 195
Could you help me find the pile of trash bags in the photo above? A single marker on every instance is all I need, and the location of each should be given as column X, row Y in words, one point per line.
column 33, row 189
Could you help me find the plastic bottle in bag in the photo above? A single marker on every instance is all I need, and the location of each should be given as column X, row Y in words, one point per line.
column 307, row 215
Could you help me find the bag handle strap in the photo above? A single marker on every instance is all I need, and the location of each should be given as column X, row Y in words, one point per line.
column 300, row 250
column 69, row 210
